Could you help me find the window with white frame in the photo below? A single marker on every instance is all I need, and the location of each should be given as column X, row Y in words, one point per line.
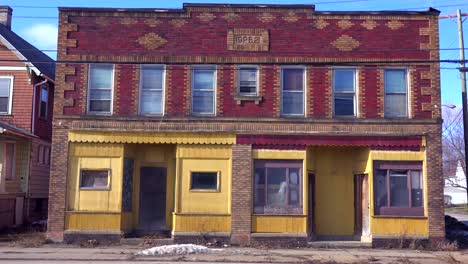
column 6, row 91
column 100, row 88
column 44, row 102
column 292, row 88
column 248, row 80
column 396, row 93
column 344, row 92
column 203, row 90
column 152, row 89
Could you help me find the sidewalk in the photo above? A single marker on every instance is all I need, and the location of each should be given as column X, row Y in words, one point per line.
column 233, row 254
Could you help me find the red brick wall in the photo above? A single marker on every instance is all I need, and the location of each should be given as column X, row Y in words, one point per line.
column 199, row 36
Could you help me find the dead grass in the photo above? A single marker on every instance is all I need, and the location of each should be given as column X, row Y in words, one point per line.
column 28, row 239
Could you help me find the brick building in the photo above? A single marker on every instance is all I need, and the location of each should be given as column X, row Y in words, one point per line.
column 26, row 106
column 246, row 122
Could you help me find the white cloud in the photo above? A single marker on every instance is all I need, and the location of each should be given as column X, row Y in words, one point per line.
column 42, row 36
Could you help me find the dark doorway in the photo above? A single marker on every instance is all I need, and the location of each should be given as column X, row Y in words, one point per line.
column 311, row 206
column 152, row 214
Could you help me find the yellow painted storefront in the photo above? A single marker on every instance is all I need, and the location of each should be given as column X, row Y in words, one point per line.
column 195, row 211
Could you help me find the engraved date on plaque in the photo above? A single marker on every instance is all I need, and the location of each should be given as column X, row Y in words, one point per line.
column 248, row 39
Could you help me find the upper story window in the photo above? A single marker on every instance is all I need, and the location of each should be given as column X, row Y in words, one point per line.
column 203, row 90
column 398, row 188
column 248, row 80
column 6, row 92
column 44, row 102
column 100, row 88
column 396, row 93
column 292, row 91
column 344, row 92
column 152, row 89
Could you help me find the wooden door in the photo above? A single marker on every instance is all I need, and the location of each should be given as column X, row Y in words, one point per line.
column 152, row 213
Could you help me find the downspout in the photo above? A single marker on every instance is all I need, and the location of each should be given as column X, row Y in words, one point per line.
column 33, row 119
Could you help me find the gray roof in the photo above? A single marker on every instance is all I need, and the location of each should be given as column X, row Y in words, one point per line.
column 37, row 58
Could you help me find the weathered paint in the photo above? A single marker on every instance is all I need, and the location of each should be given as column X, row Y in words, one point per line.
column 203, row 210
column 279, row 224
column 334, row 169
column 202, row 223
column 382, row 225
column 21, row 173
column 151, row 137
column 152, row 155
column 92, row 221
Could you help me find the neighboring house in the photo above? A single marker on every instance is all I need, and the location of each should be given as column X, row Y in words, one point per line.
column 455, row 187
column 26, row 107
column 249, row 123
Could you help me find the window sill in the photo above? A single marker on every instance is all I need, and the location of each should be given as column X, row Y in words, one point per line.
column 241, row 98
column 94, row 189
column 400, row 216
column 281, row 215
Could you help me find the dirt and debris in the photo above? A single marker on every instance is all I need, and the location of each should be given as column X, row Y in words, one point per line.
column 182, row 249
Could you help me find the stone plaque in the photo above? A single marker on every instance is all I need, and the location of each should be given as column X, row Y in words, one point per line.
column 248, row 39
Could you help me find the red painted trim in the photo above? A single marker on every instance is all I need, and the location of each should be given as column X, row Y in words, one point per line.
column 289, row 140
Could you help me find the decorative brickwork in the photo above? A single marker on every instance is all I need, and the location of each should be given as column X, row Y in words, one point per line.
column 206, row 17
column 345, row 43
column 178, row 23
column 291, row 17
column 241, row 201
column 321, row 23
column 360, row 93
column 127, row 21
column 151, row 22
column 151, row 41
column 102, row 21
column 369, row 24
column 266, row 17
column 345, row 24
column 395, row 24
column 231, row 17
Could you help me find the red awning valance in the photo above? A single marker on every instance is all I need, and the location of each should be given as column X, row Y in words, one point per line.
column 369, row 141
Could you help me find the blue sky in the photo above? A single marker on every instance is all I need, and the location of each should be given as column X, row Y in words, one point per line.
column 42, row 32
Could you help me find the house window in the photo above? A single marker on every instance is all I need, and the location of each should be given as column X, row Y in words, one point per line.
column 344, row 87
column 152, row 90
column 9, row 161
column 203, row 91
column 398, row 188
column 95, row 179
column 6, row 90
column 396, row 99
column 101, row 82
column 248, row 80
column 44, row 102
column 278, row 187
column 292, row 87
column 204, row 181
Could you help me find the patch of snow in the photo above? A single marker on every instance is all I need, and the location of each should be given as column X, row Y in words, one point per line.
column 181, row 249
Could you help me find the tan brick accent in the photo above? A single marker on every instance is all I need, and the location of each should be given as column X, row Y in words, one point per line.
column 58, row 185
column 220, row 75
column 307, row 92
column 151, row 41
column 103, row 21
column 345, row 24
column 329, row 92
column 369, row 24
column 346, row 43
column 206, row 17
column 128, row 21
column 277, row 90
column 381, row 92
column 321, row 23
column 411, row 94
column 188, row 92
column 178, row 23
column 395, row 24
column 266, row 17
column 291, row 17
column 116, row 99
column 63, row 41
column 136, row 89
column 84, row 87
column 241, row 202
column 230, row 17
column 360, row 92
column 151, row 22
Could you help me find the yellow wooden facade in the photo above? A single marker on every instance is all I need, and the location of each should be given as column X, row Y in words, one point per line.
column 210, row 211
